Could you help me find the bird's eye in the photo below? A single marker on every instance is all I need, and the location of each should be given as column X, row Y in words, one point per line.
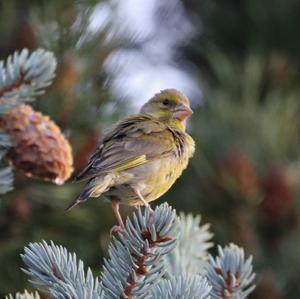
column 166, row 102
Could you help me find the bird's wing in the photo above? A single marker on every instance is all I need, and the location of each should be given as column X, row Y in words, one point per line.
column 133, row 142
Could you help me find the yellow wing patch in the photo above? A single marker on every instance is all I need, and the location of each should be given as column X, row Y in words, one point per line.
column 131, row 163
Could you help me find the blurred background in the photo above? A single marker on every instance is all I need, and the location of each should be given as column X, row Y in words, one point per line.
column 237, row 60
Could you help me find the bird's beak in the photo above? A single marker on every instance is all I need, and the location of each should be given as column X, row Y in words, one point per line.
column 182, row 112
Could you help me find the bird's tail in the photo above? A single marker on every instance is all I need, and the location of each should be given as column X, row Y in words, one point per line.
column 93, row 188
column 81, row 197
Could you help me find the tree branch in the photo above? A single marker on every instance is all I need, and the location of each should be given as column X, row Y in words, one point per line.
column 25, row 295
column 184, row 287
column 57, row 272
column 191, row 253
column 230, row 275
column 135, row 257
column 24, row 76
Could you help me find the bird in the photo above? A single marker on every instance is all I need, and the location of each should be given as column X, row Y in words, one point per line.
column 142, row 156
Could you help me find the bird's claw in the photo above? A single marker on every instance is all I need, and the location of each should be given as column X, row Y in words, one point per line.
column 117, row 229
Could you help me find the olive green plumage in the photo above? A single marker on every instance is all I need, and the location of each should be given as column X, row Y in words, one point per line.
column 143, row 155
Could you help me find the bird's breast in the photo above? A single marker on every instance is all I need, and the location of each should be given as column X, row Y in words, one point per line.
column 152, row 179
column 155, row 177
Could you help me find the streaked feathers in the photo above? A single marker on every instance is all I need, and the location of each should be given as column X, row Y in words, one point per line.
column 145, row 152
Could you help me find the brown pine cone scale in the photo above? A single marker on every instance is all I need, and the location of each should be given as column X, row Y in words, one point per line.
column 39, row 149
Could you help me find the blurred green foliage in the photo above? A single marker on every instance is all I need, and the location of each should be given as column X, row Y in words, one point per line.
column 244, row 178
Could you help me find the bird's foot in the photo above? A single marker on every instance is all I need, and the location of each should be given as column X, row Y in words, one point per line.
column 117, row 229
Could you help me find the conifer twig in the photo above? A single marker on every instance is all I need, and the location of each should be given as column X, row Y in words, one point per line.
column 191, row 253
column 184, row 287
column 230, row 274
column 54, row 270
column 25, row 295
column 24, row 76
column 135, row 260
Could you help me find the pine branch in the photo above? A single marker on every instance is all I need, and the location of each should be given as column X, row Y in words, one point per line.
column 24, row 76
column 135, row 267
column 134, row 264
column 191, row 253
column 25, row 295
column 57, row 272
column 184, row 287
column 5, row 144
column 230, row 275
column 6, row 180
column 135, row 260
column 6, row 174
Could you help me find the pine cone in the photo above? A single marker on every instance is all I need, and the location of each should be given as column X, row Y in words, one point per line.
column 67, row 75
column 20, row 207
column 38, row 147
column 88, row 145
column 279, row 195
column 237, row 174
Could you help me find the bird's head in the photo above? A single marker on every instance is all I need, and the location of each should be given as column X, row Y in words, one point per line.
column 169, row 106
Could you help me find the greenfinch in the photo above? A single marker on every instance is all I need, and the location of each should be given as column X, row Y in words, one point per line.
column 142, row 156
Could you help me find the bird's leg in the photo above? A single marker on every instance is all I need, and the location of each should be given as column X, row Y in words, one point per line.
column 117, row 228
column 141, row 197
